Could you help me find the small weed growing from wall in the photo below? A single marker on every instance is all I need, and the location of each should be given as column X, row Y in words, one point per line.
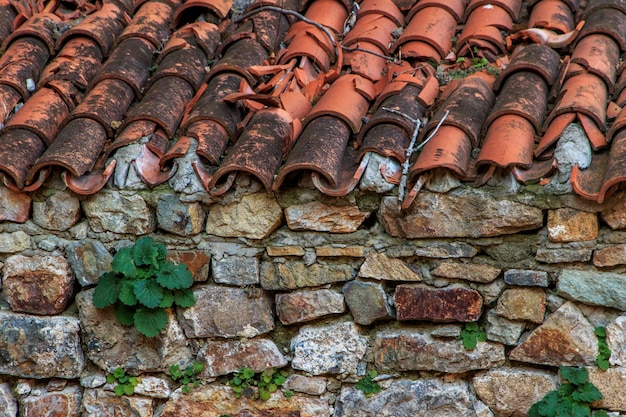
column 572, row 399
column 142, row 285
column 125, row 384
column 604, row 353
column 254, row 385
column 471, row 334
column 367, row 385
column 187, row 376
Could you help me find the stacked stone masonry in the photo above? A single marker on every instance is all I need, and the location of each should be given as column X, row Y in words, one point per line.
column 325, row 288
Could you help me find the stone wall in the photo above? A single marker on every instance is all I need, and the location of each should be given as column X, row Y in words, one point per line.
column 326, row 288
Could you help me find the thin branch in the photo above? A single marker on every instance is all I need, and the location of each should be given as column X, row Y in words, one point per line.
column 357, row 49
column 421, row 145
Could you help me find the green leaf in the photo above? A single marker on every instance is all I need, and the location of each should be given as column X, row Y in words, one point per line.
column 110, row 378
column 600, row 331
column 128, row 389
column 147, row 252
column 198, row 367
column 125, row 314
column 602, row 363
column 184, row 298
column 574, row 375
column 118, row 372
column 150, row 322
column 580, row 410
column 168, row 300
column 123, row 263
column 533, row 411
column 469, row 341
column 247, row 373
column 288, row 393
column 148, row 293
column 127, row 293
column 547, row 406
column 175, row 372
column 600, row 413
column 186, row 389
column 587, row 393
column 472, row 326
column 264, row 395
column 106, row 291
column 174, row 277
column 119, row 390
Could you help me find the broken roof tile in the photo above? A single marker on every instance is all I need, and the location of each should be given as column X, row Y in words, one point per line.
column 599, row 54
column 534, row 57
column 219, row 8
column 19, row 150
column 40, row 26
column 434, row 26
column 151, row 22
column 78, row 62
column 608, row 22
column 513, row 7
column 454, row 7
column 552, row 14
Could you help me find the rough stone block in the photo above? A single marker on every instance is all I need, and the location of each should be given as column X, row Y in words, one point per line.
column 325, row 218
column 38, row 284
column 615, row 216
column 290, row 275
column 8, row 403
column 183, row 219
column 302, row 306
column 332, row 251
column 40, row 347
column 153, row 387
column 119, row 212
column 235, row 270
column 453, row 303
column 256, row 216
column 569, row 225
column 65, row 403
column 285, row 251
column 335, row 348
column 563, row 255
column 312, row 385
column 382, row 267
column 502, row 330
column 469, row 272
column 610, row 256
column 466, row 213
column 416, row 350
column 101, row 403
column 228, row 312
column 612, row 385
column 14, row 242
column 14, row 206
column 367, row 301
column 616, row 339
column 522, row 304
column 526, row 277
column 58, row 211
column 225, row 357
column 604, row 289
column 89, row 259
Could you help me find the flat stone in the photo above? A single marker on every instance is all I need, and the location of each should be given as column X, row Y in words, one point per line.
column 526, row 277
column 58, row 211
column 502, row 330
column 610, row 256
column 8, row 403
column 616, row 340
column 332, row 251
column 14, row 242
column 217, row 400
column 225, row 357
column 101, row 403
column 325, row 218
column 14, row 205
column 285, row 250
column 154, row 387
column 227, row 312
column 112, row 211
column 197, row 262
column 615, row 216
column 89, row 259
column 510, row 251
column 382, row 267
column 465, row 213
column 109, row 344
column 469, row 272
column 414, row 349
column 563, row 255
column 40, row 347
column 565, row 338
column 490, row 292
column 37, row 284
column 612, row 385
column 312, row 385
column 605, row 289
column 291, row 275
column 256, row 216
column 335, row 348
column 569, row 225
column 64, row 403
column 423, row 397
column 235, row 270
column 182, row 219
column 307, row 305
column 444, row 250
column 453, row 303
column 512, row 391
column 367, row 301
column 527, row 304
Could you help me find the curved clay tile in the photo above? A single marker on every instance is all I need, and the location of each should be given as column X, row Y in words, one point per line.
column 599, row 54
column 386, row 8
column 7, row 16
column 593, row 5
column 608, row 22
column 103, row 26
column 78, row 62
column 201, row 35
column 39, row 26
column 132, row 132
column 368, row 65
column 89, row 183
column 553, row 132
column 304, row 39
column 419, row 50
column 128, row 6
column 552, row 14
column 330, row 13
column 10, row 97
column 238, row 57
column 220, row 8
column 374, row 29
column 148, row 168
column 534, row 57
column 485, row 37
column 187, row 64
column 455, row 7
column 596, row 137
column 22, row 63
column 212, row 141
column 513, row 7
column 524, row 94
column 509, row 141
column 151, row 22
column 19, row 149
column 129, row 62
column 449, row 148
column 486, row 15
column 269, row 29
column 435, row 26
column 349, row 175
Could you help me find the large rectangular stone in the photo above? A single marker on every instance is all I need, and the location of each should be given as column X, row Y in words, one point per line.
column 454, row 303
column 605, row 289
column 290, row 275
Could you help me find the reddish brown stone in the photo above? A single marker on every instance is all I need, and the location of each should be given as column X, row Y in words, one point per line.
column 197, row 262
column 610, row 256
column 14, row 206
column 569, row 225
column 454, row 303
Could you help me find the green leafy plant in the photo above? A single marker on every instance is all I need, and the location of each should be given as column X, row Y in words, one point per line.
column 188, row 376
column 142, row 285
column 572, row 399
column 125, row 384
column 246, row 380
column 471, row 334
column 368, row 385
column 604, row 353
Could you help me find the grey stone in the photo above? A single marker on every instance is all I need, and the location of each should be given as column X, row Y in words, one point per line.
column 14, row 242
column 225, row 357
column 227, row 312
column 65, row 403
column 509, row 251
column 109, row 344
column 335, row 348
column 512, row 391
column 423, row 397
column 154, row 387
column 290, row 275
column 470, row 272
column 59, row 211
column 256, row 216
column 100, row 403
column 183, row 219
column 40, row 347
column 490, row 292
column 526, row 277
column 605, row 289
column 235, row 270
column 444, row 250
column 312, row 385
column 502, row 330
column 464, row 213
column 325, row 218
column 616, row 340
column 372, row 179
column 563, row 255
column 367, row 301
column 414, row 349
column 8, row 403
column 89, row 259
column 117, row 212
column 93, row 380
column 302, row 306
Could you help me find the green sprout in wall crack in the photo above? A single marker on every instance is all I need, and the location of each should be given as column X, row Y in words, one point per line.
column 125, row 384
column 261, row 385
column 367, row 385
column 188, row 376
column 604, row 353
column 471, row 334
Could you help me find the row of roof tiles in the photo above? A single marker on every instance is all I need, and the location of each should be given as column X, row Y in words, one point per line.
column 313, row 87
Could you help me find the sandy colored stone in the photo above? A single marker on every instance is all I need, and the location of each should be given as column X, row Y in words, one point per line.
column 89, row 259
column 565, row 338
column 59, row 211
column 382, row 267
column 569, row 225
column 101, row 403
column 290, row 275
column 285, row 250
column 527, row 304
column 469, row 272
column 615, row 216
column 349, row 251
column 325, row 218
column 312, row 385
column 14, row 242
column 224, row 357
column 307, row 305
column 503, row 330
column 610, row 256
column 616, row 340
column 612, row 385
column 453, row 303
column 179, row 218
column 563, row 255
column 256, row 216
column 117, row 212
